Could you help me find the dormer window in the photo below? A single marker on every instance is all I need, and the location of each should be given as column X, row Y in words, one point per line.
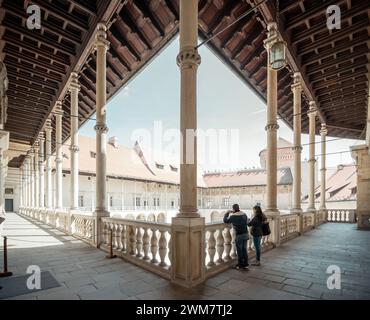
column 174, row 169
column 93, row 154
column 159, row 166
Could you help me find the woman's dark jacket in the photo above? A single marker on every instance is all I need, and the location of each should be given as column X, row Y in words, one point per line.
column 256, row 224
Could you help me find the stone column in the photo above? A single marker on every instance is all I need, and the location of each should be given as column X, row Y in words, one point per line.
column 271, row 129
column 21, row 199
column 297, row 148
column 32, row 177
column 323, row 133
column 26, row 192
column 74, row 88
column 41, row 171
column 101, row 47
column 362, row 156
column 59, row 156
column 312, row 160
column 188, row 235
column 49, row 184
column 36, row 174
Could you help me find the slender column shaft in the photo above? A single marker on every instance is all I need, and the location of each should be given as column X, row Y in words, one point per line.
column 36, row 175
column 21, row 200
column 271, row 127
column 312, row 126
column 297, row 148
column 188, row 60
column 74, row 88
column 41, row 171
column 26, row 162
column 323, row 133
column 58, row 159
column 49, row 184
column 101, row 129
column 32, row 177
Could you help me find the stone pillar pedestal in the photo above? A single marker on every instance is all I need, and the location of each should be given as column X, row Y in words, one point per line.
column 362, row 156
column 274, row 217
column 188, row 251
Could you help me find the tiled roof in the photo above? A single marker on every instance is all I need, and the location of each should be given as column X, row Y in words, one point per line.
column 253, row 177
column 339, row 185
column 125, row 162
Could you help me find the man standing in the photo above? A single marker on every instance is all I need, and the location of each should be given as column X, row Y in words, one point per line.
column 239, row 221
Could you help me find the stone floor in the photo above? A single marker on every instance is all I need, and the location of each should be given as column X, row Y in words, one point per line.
column 295, row 270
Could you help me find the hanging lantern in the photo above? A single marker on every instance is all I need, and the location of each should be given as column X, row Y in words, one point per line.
column 277, row 55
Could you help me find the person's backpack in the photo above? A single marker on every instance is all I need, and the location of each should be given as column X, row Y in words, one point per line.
column 266, row 228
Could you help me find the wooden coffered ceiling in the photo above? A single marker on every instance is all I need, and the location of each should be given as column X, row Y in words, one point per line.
column 334, row 63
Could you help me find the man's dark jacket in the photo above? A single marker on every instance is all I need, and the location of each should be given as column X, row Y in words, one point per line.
column 239, row 220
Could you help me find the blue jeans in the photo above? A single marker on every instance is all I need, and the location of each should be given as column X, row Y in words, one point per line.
column 241, row 248
column 257, row 245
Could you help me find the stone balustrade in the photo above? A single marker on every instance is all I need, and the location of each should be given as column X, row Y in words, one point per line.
column 146, row 244
column 341, row 215
column 289, row 226
column 308, row 220
column 221, row 250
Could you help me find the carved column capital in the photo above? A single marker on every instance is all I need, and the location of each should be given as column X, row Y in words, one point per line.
column 58, row 108
column 101, row 128
column 101, row 37
column 323, row 130
column 74, row 83
column 272, row 126
column 74, row 148
column 297, row 82
column 312, row 111
column 188, row 58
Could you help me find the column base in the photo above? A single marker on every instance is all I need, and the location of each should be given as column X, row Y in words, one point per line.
column 98, row 229
column 188, row 213
column 188, row 251
column 274, row 215
column 299, row 212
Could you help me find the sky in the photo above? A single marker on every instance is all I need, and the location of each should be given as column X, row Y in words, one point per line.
column 147, row 109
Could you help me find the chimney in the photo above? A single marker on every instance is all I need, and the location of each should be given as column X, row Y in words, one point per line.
column 113, row 141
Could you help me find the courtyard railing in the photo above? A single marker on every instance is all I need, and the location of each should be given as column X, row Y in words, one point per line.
column 147, row 243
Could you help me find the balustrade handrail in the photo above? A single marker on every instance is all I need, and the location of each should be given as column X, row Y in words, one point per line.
column 138, row 223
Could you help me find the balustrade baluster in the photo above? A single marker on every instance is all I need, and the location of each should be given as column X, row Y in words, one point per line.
column 139, row 242
column 154, row 246
column 220, row 246
column 227, row 244
column 233, row 245
column 132, row 240
column 162, row 248
column 146, row 244
column 211, row 247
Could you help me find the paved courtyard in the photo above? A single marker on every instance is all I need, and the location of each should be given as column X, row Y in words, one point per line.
column 295, row 270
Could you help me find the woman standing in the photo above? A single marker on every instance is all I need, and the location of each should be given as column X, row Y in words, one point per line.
column 256, row 231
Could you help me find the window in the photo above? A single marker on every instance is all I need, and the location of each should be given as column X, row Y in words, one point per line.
column 209, row 203
column 172, row 204
column 111, row 201
column 156, row 202
column 138, row 201
column 226, row 202
column 9, row 191
column 159, row 166
column 92, row 154
column 354, row 190
column 81, row 201
column 174, row 169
